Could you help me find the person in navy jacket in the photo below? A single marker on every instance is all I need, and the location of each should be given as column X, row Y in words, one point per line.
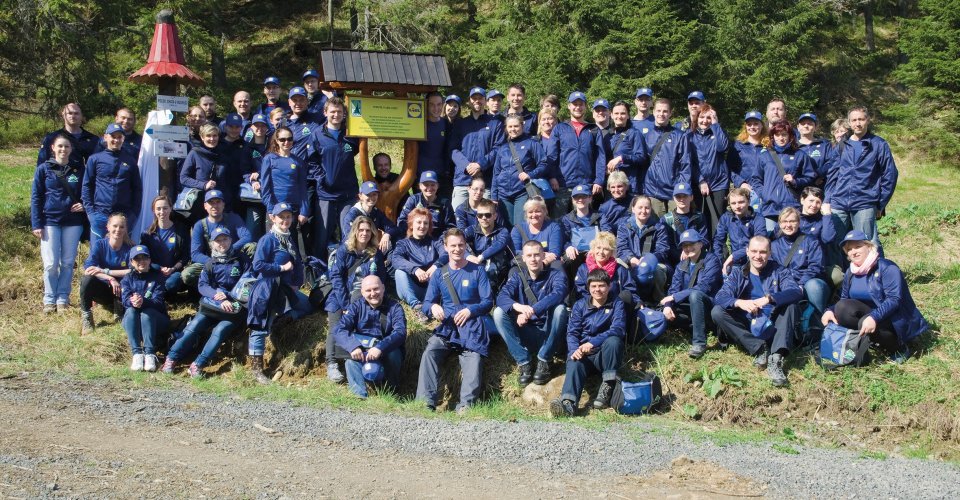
column 358, row 256
column 645, row 234
column 466, row 214
column 278, row 267
column 56, row 217
column 540, row 228
column 459, row 296
column 372, row 330
column 283, row 177
column 488, row 243
column 337, row 185
column 218, row 279
column 580, row 227
column 429, row 198
column 472, row 142
column 643, row 100
column 861, row 178
column 582, row 159
column 595, row 343
column 111, row 183
column 803, row 256
column 169, row 244
column 451, row 107
column 822, row 227
column 737, row 225
column 366, row 206
column 530, row 314
column 516, row 102
column 690, row 297
column 145, row 317
column 781, row 190
column 670, row 162
column 131, row 139
column 103, row 269
column 203, row 228
column 205, row 168
column 710, row 147
column 815, row 147
column 316, row 96
column 756, row 306
column 84, row 143
column 546, row 122
column 509, row 179
column 416, row 259
column 616, row 209
column 628, row 151
column 875, row 299
column 748, row 145
column 432, row 153
column 272, row 92
column 601, row 256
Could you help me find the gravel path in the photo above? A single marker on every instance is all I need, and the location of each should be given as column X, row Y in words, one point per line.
column 507, row 450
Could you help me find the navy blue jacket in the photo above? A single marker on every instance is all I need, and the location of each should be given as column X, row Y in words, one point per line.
column 49, row 202
column 111, row 183
column 710, row 150
column 150, row 285
column 490, row 245
column 361, row 318
column 473, row 140
column 571, row 222
column 549, row 287
column 200, row 237
column 284, row 180
column 305, row 130
column 380, row 220
column 768, row 182
column 744, row 163
column 820, row 227
column 777, row 281
column 818, row 150
column 239, row 155
column 892, row 298
column 739, row 230
column 466, row 217
column 265, row 108
column 336, row 174
column 860, row 183
column 506, row 181
column 628, row 143
column 315, row 107
column 807, row 261
column 550, row 236
column 622, row 280
column 84, row 146
column 432, row 153
column 473, row 289
column 709, row 278
column 168, row 246
column 130, row 146
column 672, row 164
column 551, row 148
column 595, row 324
column 223, row 274
column 440, row 210
column 631, row 240
column 203, row 165
column 411, row 254
column 271, row 254
column 105, row 257
column 346, row 286
column 582, row 158
column 613, row 213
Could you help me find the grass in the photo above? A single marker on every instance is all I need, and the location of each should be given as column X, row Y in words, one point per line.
column 880, row 411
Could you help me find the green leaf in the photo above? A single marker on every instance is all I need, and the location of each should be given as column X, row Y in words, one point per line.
column 691, row 410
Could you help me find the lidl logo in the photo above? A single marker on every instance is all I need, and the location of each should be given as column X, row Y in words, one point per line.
column 414, row 110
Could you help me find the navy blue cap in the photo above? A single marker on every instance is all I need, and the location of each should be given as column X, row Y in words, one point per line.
column 690, row 236
column 220, row 231
column 601, row 103
column 761, row 326
column 682, row 188
column 494, row 93
column 311, row 73
column 279, row 208
column 581, row 190
column 369, row 187
column 576, row 94
column 654, row 323
column 271, row 80
column 753, row 115
column 297, row 91
column 138, row 251
column 233, row 120
column 478, row 90
column 855, row 235
column 809, row 116
column 373, row 372
column 428, row 176
column 644, row 91
column 213, row 194
column 696, row 94
column 113, row 128
column 453, row 97
column 260, row 118
column 647, row 268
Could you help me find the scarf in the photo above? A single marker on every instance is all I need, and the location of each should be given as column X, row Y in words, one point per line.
column 283, row 237
column 867, row 265
column 610, row 266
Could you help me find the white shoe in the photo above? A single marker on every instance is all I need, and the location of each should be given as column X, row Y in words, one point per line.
column 149, row 363
column 137, row 364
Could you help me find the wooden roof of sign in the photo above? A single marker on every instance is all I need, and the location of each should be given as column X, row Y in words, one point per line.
column 344, row 69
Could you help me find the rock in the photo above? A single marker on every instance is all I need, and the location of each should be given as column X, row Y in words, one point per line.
column 541, row 395
column 681, row 461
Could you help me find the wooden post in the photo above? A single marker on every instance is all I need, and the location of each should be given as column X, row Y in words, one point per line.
column 168, row 166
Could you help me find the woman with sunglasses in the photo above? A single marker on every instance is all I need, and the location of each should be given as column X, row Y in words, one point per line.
column 283, row 178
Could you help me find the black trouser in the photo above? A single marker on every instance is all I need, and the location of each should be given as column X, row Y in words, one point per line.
column 334, row 352
column 92, row 290
column 850, row 314
column 735, row 324
column 712, row 206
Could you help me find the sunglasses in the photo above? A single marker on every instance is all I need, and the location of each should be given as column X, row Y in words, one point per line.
column 284, row 139
column 484, row 215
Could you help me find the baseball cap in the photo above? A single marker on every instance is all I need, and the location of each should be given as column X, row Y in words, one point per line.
column 753, row 115
column 478, row 90
column 581, row 190
column 213, row 194
column 682, row 188
column 279, row 208
column 297, row 91
column 808, row 116
column 696, row 94
column 453, row 97
column 647, row 268
column 690, row 236
column 369, row 187
column 494, row 93
column 428, row 176
column 220, row 231
column 311, row 73
column 271, row 80
column 855, row 235
column 233, row 120
column 113, row 128
column 644, row 91
column 260, row 118
column 138, row 251
column 575, row 95
column 601, row 103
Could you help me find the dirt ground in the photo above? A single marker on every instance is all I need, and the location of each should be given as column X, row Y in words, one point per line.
column 56, row 446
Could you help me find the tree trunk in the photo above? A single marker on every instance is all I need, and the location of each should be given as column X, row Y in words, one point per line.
column 218, row 66
column 868, row 25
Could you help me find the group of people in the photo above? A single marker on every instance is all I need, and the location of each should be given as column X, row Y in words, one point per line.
column 572, row 238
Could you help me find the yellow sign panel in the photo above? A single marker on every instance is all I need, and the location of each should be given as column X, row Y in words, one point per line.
column 386, row 118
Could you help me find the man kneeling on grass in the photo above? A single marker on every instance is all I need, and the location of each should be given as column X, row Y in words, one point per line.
column 459, row 296
column 373, row 331
column 595, row 344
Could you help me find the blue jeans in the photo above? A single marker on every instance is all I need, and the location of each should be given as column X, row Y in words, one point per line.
column 521, row 340
column 174, row 283
column 254, row 218
column 98, row 227
column 606, row 359
column 865, row 220
column 299, row 307
column 409, row 288
column 194, row 331
column 392, row 362
column 513, row 205
column 818, row 292
column 695, row 312
column 58, row 249
column 143, row 327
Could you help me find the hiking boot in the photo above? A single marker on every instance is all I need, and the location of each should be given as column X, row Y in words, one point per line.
column 419, row 316
column 526, row 375
column 603, row 395
column 168, row 365
column 194, row 371
column 63, row 308
column 775, row 370
column 334, row 373
column 256, row 369
column 137, row 364
column 900, row 357
column 760, row 360
column 697, row 351
column 86, row 324
column 117, row 311
column 149, row 363
column 49, row 308
column 562, row 408
column 542, row 375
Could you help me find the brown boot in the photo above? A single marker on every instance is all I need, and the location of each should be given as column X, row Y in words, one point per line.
column 256, row 367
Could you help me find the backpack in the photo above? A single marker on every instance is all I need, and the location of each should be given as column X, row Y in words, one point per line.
column 636, row 398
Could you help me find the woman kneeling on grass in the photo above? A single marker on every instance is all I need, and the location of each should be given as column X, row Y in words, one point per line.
column 874, row 299
column 106, row 265
column 220, row 310
column 145, row 318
